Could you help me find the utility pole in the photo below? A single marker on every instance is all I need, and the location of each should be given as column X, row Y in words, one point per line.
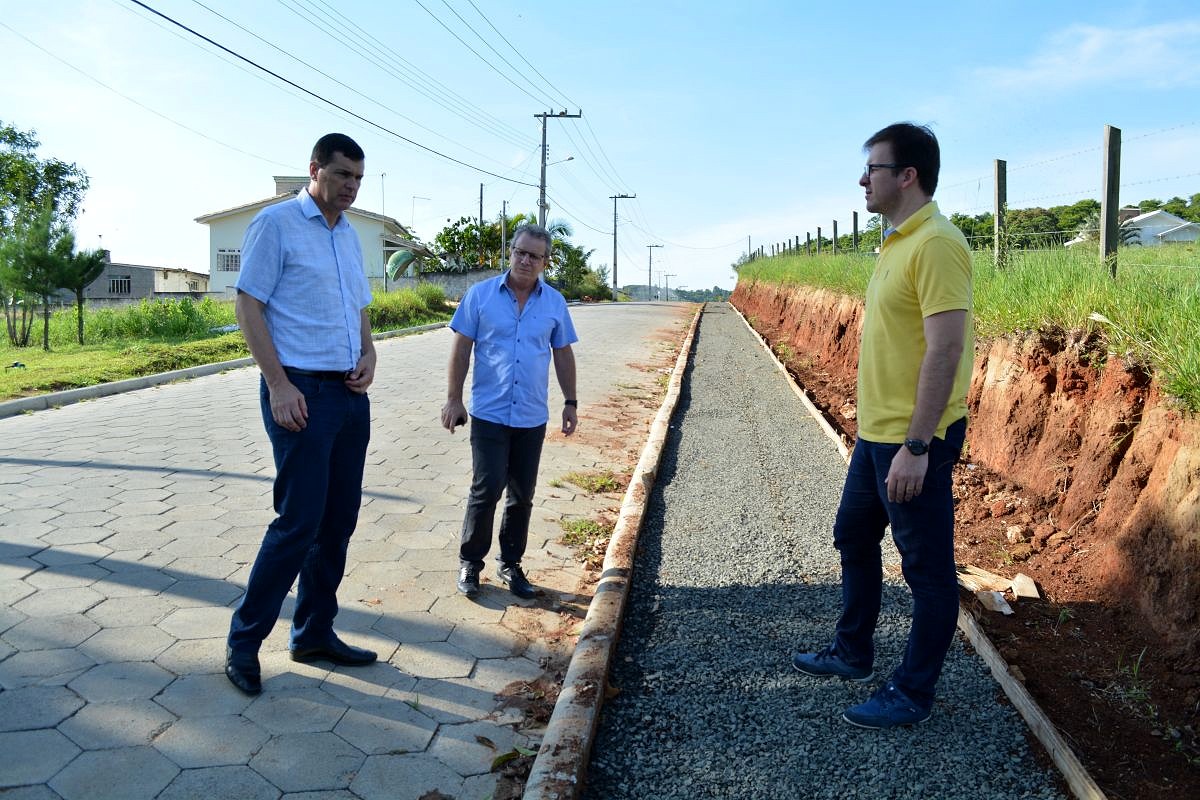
column 504, row 235
column 542, row 190
column 481, row 226
column 667, row 281
column 615, row 198
column 650, row 271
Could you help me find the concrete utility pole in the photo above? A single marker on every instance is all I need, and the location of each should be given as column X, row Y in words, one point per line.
column 667, row 282
column 504, row 235
column 615, row 198
column 542, row 191
column 481, row 226
column 650, row 271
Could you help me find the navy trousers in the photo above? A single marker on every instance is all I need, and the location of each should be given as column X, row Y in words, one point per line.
column 318, row 490
column 502, row 458
column 923, row 529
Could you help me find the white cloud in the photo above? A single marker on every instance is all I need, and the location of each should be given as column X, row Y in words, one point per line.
column 1160, row 57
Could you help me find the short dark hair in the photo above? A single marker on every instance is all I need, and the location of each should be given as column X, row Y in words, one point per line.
column 534, row 231
column 332, row 143
column 913, row 146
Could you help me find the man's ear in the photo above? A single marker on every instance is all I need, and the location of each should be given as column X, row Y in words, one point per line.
column 908, row 177
column 313, row 166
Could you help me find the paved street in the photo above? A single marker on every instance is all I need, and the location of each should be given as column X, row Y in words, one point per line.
column 127, row 529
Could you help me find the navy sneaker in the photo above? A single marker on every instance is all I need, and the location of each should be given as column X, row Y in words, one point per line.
column 888, row 708
column 828, row 664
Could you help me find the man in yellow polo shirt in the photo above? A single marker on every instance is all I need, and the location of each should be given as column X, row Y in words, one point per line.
column 914, row 368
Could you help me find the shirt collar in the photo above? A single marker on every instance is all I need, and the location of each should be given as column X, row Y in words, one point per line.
column 919, row 217
column 309, row 208
column 537, row 289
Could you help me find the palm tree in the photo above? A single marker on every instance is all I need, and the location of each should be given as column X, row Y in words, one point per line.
column 1126, row 234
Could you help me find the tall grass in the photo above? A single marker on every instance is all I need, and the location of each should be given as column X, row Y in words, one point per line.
column 152, row 320
column 1151, row 310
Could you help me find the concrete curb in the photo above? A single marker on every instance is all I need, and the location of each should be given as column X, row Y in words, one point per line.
column 41, row 402
column 1074, row 773
column 562, row 759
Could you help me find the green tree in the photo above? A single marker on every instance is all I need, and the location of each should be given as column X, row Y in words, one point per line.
column 35, row 257
column 1032, row 228
column 26, row 180
column 1072, row 217
column 1089, row 229
column 78, row 271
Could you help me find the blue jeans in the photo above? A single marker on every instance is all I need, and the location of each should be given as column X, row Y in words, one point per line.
column 318, row 490
column 502, row 458
column 923, row 529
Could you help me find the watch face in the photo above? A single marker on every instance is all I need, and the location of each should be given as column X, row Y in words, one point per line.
column 916, row 447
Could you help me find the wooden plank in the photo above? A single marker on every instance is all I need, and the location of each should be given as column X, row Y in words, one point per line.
column 994, row 601
column 1081, row 784
column 997, row 583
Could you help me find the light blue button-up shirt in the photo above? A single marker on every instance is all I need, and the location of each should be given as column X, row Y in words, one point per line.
column 311, row 280
column 512, row 351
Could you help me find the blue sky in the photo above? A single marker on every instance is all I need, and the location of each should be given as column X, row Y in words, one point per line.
column 727, row 121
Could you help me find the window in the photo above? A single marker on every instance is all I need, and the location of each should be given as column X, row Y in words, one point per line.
column 229, row 260
column 120, row 284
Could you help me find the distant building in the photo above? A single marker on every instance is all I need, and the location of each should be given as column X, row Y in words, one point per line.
column 379, row 235
column 127, row 282
column 1159, row 227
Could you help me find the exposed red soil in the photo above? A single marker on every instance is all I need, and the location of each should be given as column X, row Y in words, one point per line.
column 1080, row 474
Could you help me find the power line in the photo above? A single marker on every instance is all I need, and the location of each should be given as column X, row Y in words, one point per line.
column 338, row 82
column 538, row 100
column 485, row 41
column 570, row 102
column 382, row 57
column 319, row 97
column 142, row 106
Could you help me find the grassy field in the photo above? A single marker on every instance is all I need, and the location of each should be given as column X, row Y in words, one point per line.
column 163, row 335
column 1151, row 309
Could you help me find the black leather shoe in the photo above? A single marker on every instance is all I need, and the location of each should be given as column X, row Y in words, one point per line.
column 468, row 580
column 243, row 671
column 337, row 651
column 518, row 584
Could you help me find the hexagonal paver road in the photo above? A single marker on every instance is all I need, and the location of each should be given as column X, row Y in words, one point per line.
column 127, row 529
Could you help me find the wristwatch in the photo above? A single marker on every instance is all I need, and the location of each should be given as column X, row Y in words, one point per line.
column 572, row 403
column 916, row 447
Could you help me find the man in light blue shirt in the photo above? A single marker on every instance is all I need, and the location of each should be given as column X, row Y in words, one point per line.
column 516, row 324
column 302, row 299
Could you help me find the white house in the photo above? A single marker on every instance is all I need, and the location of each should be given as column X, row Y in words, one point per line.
column 1157, row 227
column 379, row 236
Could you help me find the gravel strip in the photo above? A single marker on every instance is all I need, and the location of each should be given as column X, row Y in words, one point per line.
column 736, row 570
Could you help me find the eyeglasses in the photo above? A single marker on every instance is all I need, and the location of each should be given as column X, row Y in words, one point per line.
column 867, row 170
column 519, row 254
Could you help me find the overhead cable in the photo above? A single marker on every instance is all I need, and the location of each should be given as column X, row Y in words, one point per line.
column 341, row 108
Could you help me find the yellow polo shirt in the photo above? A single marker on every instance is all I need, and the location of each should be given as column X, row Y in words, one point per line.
column 924, row 268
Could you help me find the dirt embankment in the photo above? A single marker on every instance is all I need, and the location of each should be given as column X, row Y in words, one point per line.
column 1108, row 471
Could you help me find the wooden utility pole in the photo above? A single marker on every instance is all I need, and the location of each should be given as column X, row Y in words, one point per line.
column 999, row 206
column 835, row 237
column 818, row 240
column 542, row 186
column 1110, row 203
column 650, row 271
column 615, row 198
column 481, row 226
column 807, row 243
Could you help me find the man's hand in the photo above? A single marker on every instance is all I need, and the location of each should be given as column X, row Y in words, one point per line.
column 363, row 374
column 288, row 408
column 570, row 419
column 454, row 413
column 906, row 476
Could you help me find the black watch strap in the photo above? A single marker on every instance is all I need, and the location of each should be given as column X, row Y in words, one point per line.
column 916, row 446
column 572, row 403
